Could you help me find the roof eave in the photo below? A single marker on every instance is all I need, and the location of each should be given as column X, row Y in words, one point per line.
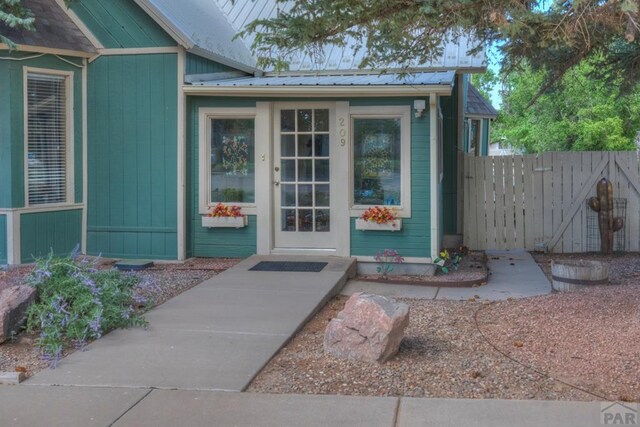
column 48, row 50
column 320, row 91
column 161, row 19
column 196, row 50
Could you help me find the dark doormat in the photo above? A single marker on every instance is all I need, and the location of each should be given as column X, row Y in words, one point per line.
column 298, row 266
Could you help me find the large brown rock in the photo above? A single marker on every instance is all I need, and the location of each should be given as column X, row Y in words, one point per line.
column 369, row 328
column 14, row 302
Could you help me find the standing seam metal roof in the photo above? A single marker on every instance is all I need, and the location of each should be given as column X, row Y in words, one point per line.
column 417, row 79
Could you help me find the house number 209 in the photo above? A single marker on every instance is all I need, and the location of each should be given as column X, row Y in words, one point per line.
column 342, row 131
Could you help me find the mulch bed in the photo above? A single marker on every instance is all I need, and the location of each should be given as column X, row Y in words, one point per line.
column 472, row 272
column 163, row 282
column 582, row 345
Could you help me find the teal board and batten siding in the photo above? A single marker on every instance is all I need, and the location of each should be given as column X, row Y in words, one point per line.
column 486, row 123
column 44, row 232
column 199, row 65
column 121, row 24
column 3, row 239
column 12, row 154
column 132, row 156
column 412, row 241
column 449, row 108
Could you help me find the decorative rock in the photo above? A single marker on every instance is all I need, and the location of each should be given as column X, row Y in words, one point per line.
column 14, row 302
column 369, row 328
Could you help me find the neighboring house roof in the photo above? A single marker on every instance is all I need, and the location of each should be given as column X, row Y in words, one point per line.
column 53, row 29
column 208, row 27
column 477, row 105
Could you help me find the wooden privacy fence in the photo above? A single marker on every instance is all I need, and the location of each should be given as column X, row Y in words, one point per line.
column 539, row 201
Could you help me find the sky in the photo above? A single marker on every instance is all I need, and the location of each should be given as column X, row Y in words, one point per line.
column 494, row 62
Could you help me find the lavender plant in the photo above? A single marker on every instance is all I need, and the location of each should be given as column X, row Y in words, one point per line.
column 78, row 303
column 386, row 260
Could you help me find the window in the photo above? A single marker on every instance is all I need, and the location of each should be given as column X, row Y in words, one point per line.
column 49, row 148
column 474, row 137
column 227, row 157
column 381, row 161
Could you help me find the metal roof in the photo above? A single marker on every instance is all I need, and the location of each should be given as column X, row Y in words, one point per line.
column 417, row 79
column 53, row 29
column 208, row 27
column 477, row 105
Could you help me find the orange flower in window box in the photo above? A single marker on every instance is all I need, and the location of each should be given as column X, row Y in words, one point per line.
column 225, row 216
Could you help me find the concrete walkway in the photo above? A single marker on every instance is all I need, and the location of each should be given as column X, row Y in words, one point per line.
column 35, row 406
column 216, row 336
column 514, row 274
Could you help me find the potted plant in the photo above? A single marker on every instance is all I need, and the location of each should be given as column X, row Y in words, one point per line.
column 225, row 216
column 379, row 219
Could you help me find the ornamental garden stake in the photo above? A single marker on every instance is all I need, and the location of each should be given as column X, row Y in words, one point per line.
column 603, row 204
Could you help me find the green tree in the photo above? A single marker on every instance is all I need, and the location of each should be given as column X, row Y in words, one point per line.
column 14, row 15
column 580, row 113
column 485, row 82
column 552, row 37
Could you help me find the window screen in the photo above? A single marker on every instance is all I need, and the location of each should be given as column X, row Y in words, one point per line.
column 46, row 138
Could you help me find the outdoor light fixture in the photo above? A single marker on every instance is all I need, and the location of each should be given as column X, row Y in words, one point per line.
column 419, row 105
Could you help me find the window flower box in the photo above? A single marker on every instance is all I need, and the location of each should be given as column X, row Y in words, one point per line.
column 224, row 221
column 225, row 216
column 364, row 225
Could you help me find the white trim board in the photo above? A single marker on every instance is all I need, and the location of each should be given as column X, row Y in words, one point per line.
column 48, row 50
column 434, row 162
column 181, row 159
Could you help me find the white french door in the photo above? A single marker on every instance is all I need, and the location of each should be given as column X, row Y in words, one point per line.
column 305, row 188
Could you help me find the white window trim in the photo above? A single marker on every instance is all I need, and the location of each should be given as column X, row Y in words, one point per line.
column 69, row 143
column 204, row 154
column 402, row 112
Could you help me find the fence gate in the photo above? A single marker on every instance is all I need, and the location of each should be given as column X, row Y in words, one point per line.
column 539, row 201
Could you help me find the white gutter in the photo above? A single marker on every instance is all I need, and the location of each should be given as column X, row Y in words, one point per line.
column 316, row 90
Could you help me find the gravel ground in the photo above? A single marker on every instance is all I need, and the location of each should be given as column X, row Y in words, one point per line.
column 589, row 339
column 161, row 283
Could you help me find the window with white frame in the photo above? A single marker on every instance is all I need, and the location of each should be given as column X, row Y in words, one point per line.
column 227, row 157
column 49, row 146
column 381, row 147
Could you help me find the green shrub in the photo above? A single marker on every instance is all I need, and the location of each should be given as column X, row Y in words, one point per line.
column 77, row 303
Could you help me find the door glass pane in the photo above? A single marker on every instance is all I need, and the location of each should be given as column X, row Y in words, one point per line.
column 288, row 195
column 305, row 145
column 288, row 220
column 323, row 220
column 322, row 170
column 321, row 121
column 322, row 145
column 305, row 220
column 305, row 172
column 305, row 195
column 305, row 117
column 288, row 120
column 288, row 173
column 322, row 195
column 288, row 145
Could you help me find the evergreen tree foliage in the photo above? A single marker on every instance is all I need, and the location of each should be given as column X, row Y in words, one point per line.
column 550, row 37
column 14, row 15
